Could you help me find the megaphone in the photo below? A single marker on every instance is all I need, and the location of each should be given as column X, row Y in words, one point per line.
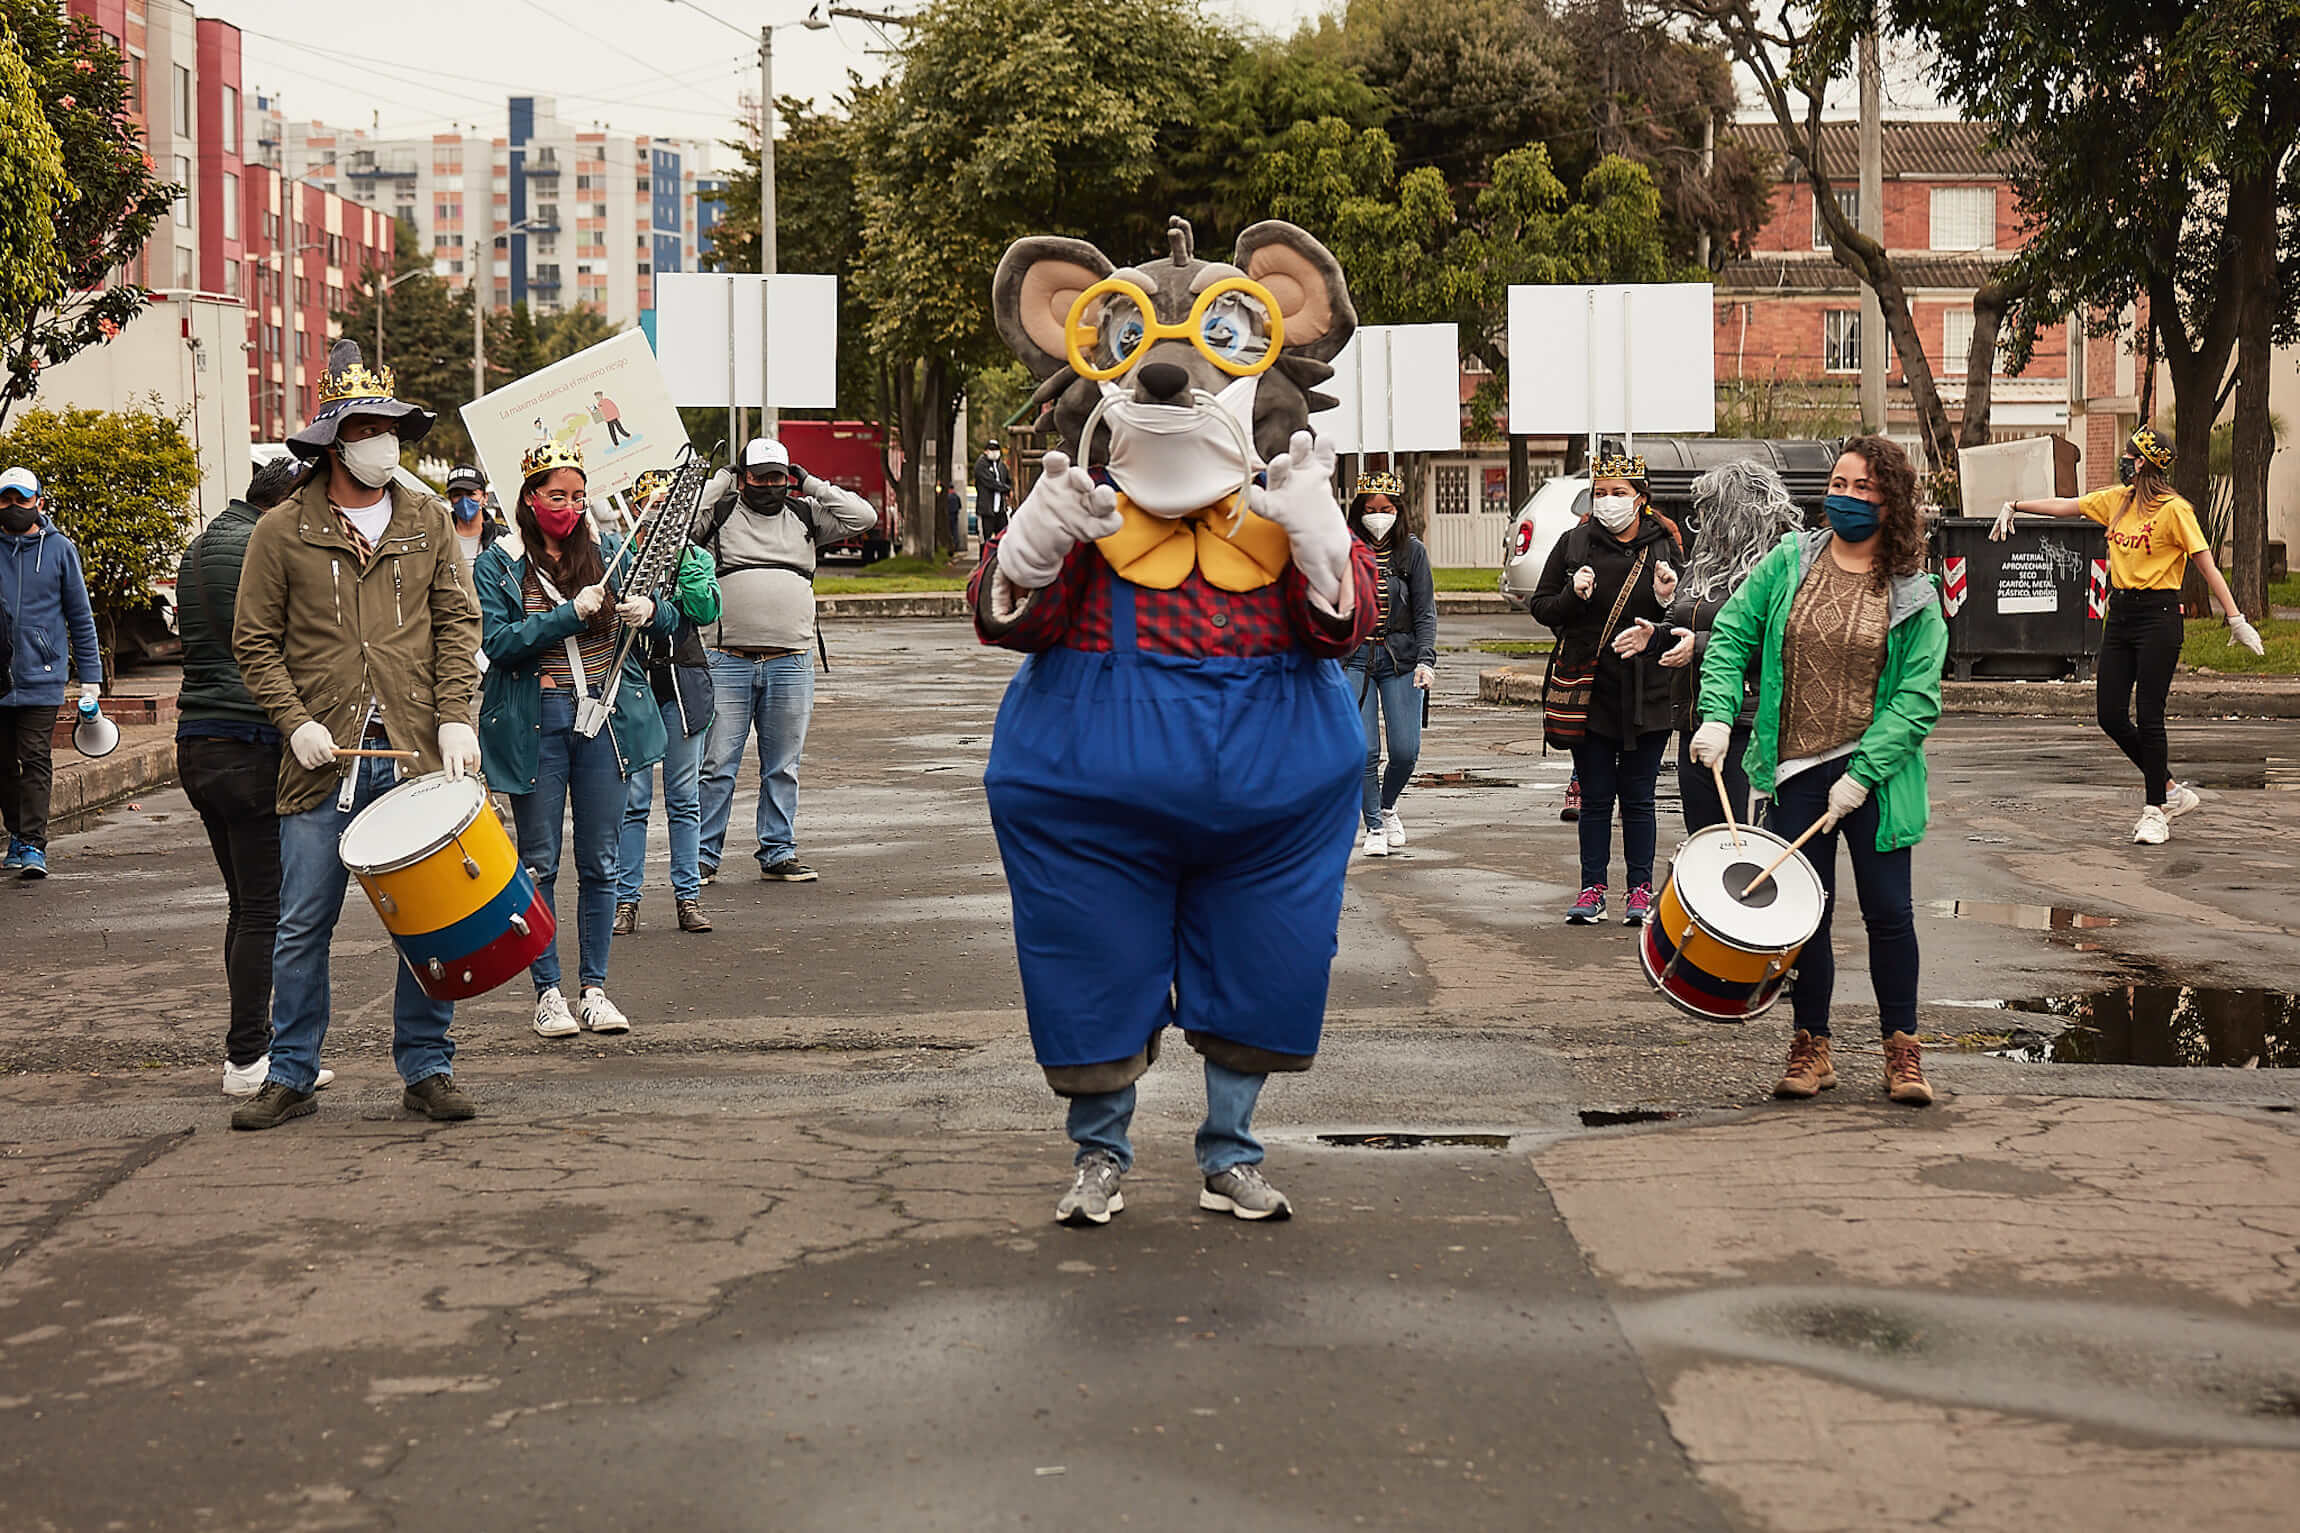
column 95, row 735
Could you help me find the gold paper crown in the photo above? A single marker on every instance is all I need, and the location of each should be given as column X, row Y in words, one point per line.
column 543, row 457
column 644, row 488
column 357, row 381
column 2147, row 444
column 1629, row 466
column 1379, row 482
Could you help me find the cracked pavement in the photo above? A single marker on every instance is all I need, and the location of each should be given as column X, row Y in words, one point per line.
column 783, row 1258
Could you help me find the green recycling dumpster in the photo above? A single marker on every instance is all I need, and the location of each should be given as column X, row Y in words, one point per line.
column 2030, row 608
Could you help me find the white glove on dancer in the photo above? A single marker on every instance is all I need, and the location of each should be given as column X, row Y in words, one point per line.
column 589, row 600
column 1846, row 794
column 1298, row 495
column 2003, row 526
column 2241, row 631
column 1710, row 744
column 458, row 750
column 638, row 611
column 312, row 746
column 1064, row 509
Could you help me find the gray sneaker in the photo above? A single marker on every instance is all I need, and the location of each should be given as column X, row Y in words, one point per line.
column 1240, row 1190
column 1093, row 1196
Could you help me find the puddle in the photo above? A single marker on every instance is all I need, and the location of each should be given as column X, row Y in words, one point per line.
column 1396, row 1140
column 2035, row 918
column 1460, row 780
column 2178, row 1026
column 1613, row 1117
column 2277, row 774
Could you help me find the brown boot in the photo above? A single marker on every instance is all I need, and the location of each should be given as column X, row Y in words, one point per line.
column 1905, row 1070
column 691, row 917
column 626, row 918
column 1809, row 1073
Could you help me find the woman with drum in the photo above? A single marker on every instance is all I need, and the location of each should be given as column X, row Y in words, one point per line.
column 1392, row 672
column 1846, row 631
column 1745, row 510
column 550, row 636
column 1608, row 584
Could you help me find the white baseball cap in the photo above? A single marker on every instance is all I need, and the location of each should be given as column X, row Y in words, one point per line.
column 764, row 452
column 23, row 481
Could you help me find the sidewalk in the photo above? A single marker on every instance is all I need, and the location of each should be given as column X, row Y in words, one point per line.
column 2193, row 696
column 952, row 604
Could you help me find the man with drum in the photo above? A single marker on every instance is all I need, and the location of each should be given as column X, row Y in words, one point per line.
column 356, row 630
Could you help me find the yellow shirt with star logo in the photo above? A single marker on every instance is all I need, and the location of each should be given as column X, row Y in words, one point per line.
column 2148, row 546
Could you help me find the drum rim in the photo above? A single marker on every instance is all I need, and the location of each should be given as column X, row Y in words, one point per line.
column 1709, row 930
column 446, row 839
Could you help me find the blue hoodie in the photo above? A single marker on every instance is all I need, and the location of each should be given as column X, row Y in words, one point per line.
column 46, row 601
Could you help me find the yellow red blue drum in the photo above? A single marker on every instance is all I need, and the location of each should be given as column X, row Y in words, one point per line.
column 445, row 878
column 1715, row 952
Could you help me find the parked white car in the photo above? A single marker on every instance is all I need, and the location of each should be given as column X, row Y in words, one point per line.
column 1547, row 515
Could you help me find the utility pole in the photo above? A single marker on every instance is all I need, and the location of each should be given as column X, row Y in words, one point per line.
column 482, row 274
column 1708, row 175
column 1872, row 222
column 767, row 415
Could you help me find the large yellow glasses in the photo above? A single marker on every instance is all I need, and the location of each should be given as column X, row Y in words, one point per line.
column 1235, row 324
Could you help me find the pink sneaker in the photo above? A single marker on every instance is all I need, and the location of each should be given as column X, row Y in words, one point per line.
column 1640, row 908
column 1589, row 909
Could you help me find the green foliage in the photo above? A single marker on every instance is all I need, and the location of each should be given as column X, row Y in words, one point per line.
column 31, row 174
column 1265, row 87
column 571, row 330
column 426, row 344
column 1468, row 80
column 2206, row 647
column 993, row 396
column 121, row 485
column 103, row 204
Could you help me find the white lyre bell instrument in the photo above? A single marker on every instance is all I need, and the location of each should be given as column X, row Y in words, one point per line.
column 648, row 562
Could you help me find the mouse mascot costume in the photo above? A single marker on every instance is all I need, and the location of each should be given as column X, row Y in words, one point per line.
column 1175, row 777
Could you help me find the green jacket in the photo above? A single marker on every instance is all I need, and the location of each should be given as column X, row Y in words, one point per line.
column 1891, row 755
column 207, row 589
column 511, row 701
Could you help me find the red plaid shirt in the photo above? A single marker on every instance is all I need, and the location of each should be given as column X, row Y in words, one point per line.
column 1194, row 619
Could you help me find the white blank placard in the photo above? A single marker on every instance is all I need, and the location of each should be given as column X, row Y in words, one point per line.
column 2001, row 471
column 697, row 315
column 1398, row 389
column 1644, row 353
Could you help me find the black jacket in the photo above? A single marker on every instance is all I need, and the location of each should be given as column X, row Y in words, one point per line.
column 1689, row 611
column 993, row 482
column 207, row 596
column 1409, row 638
column 1632, row 695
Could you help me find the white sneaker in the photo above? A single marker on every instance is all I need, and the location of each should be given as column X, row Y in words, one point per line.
column 323, row 1080
column 246, row 1080
column 1377, row 844
column 1393, row 829
column 601, row 1015
column 2152, row 829
column 2181, row 800
column 552, row 1018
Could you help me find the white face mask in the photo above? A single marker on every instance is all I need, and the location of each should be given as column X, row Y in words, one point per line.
column 1379, row 523
column 372, row 462
column 1614, row 512
column 1172, row 460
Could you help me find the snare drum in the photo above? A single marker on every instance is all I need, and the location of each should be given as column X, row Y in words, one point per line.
column 1715, row 953
column 444, row 876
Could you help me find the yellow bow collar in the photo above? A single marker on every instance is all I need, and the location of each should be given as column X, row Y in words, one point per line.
column 1158, row 553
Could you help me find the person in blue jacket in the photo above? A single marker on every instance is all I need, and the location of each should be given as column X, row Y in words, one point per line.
column 50, row 630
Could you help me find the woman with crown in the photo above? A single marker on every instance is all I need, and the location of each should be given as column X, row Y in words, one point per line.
column 551, row 628
column 1393, row 670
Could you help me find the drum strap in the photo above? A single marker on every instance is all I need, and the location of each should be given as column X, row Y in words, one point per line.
column 574, row 650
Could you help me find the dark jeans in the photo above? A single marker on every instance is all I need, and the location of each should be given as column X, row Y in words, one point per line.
column 1880, row 880
column 233, row 785
column 1697, row 787
column 2138, row 652
column 1610, row 771
column 27, row 771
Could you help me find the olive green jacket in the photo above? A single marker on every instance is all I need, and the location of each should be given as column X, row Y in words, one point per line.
column 319, row 637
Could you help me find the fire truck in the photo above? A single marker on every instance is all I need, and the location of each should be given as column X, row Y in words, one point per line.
column 851, row 455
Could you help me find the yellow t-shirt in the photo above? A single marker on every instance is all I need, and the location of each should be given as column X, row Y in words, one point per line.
column 2148, row 547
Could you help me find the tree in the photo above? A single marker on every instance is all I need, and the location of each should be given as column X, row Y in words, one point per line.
column 121, row 485
column 104, row 203
column 1466, row 80
column 426, row 334
column 31, row 168
column 1263, row 89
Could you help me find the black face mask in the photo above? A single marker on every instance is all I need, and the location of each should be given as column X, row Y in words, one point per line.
column 2125, row 468
column 765, row 497
column 18, row 518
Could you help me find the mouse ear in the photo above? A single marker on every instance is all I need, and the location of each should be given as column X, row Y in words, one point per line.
column 1037, row 281
column 1307, row 282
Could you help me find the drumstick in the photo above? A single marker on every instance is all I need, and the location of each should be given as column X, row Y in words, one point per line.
column 1717, row 770
column 1811, row 831
column 375, row 755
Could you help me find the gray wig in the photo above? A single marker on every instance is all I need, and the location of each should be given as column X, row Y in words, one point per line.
column 1744, row 509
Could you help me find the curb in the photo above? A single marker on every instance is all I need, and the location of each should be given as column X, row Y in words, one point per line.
column 83, row 786
column 952, row 604
column 2193, row 697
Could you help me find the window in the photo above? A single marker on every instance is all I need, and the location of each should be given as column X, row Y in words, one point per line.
column 183, row 102
column 455, row 268
column 136, row 83
column 185, row 277
column 599, row 210
column 1964, row 218
column 646, row 187
column 1841, row 341
column 232, row 278
column 1848, row 198
column 231, row 206
column 184, row 198
column 231, row 120
column 1957, row 342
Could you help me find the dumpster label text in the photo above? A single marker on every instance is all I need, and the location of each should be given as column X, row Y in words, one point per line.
column 2026, row 582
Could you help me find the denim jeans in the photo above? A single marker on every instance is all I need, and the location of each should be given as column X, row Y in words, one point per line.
column 570, row 769
column 1225, row 1139
column 1610, row 770
column 778, row 697
column 312, row 881
column 1396, row 702
column 682, row 809
column 1880, row 879
column 233, row 784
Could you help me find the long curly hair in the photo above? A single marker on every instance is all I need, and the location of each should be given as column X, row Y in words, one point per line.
column 1744, row 509
column 1901, row 527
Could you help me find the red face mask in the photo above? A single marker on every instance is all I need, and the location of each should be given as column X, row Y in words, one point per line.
column 558, row 521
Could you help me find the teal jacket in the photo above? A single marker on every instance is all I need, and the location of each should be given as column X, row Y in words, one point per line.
column 1891, row 755
column 516, row 642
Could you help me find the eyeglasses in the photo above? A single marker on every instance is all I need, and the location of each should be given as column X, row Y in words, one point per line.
column 561, row 498
column 1235, row 324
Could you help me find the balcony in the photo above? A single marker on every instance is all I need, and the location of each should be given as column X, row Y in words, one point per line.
column 544, row 163
column 366, row 167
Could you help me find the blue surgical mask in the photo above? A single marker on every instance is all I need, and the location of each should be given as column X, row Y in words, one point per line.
column 1854, row 519
column 468, row 509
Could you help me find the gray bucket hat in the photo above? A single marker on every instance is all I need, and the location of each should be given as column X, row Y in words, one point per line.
column 350, row 388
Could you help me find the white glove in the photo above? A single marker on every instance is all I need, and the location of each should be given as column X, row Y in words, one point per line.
column 1584, row 582
column 1298, row 495
column 1711, row 743
column 312, row 746
column 638, row 611
column 1846, row 794
column 1064, row 509
column 91, row 697
column 2241, row 631
column 2003, row 526
column 458, row 749
column 1680, row 655
column 1424, row 677
column 589, row 600
column 1664, row 582
column 1633, row 639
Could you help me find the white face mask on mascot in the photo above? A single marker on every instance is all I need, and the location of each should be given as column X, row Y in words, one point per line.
column 1172, row 460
